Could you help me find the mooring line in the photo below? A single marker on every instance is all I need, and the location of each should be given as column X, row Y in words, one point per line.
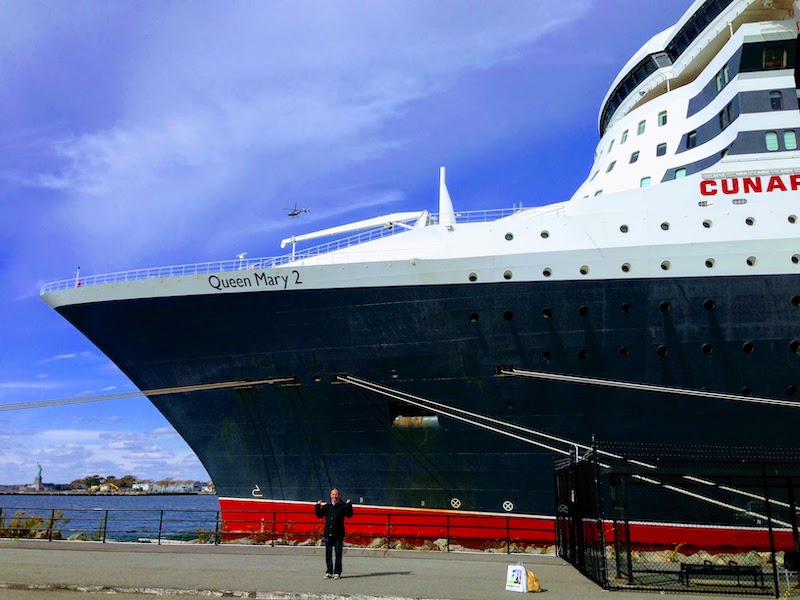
column 155, row 392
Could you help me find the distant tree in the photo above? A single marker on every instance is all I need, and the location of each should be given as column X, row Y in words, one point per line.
column 126, row 481
column 77, row 484
column 91, row 480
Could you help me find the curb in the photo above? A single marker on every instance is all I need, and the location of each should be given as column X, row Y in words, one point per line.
column 102, row 589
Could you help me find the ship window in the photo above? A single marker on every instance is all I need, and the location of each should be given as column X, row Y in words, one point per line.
column 771, row 139
column 598, row 192
column 726, row 116
column 776, row 100
column 723, row 77
column 624, row 137
column 662, row 118
column 634, row 157
column 661, row 149
column 611, row 166
column 640, row 131
column 594, row 175
column 691, row 140
column 774, row 58
column 611, row 145
column 645, row 182
column 790, row 140
column 680, row 173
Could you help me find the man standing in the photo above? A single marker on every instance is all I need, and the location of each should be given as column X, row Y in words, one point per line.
column 335, row 513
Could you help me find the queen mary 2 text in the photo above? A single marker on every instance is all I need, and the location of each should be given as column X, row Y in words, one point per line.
column 255, row 280
column 748, row 185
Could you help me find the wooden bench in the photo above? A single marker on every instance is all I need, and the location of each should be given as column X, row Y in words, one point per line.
column 731, row 569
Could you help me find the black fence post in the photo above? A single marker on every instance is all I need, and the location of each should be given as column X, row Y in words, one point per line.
column 508, row 537
column 105, row 526
column 160, row 525
column 388, row 531
column 274, row 525
column 771, row 532
column 50, row 529
column 216, row 530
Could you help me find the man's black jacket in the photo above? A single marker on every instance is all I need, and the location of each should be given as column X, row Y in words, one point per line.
column 334, row 517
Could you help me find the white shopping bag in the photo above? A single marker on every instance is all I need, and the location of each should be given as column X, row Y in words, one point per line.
column 516, row 579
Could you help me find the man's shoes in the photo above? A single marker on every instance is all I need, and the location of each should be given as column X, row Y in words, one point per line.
column 337, row 576
column 328, row 575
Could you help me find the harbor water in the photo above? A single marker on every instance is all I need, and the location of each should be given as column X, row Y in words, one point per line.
column 124, row 518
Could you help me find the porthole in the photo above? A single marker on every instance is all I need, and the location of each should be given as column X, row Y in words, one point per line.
column 626, row 267
column 455, row 503
column 625, row 307
column 508, row 315
column 623, row 228
column 665, row 265
column 707, row 224
column 792, row 219
column 796, row 258
column 662, row 350
column 709, row 304
column 750, row 221
column 710, row 262
column 547, row 312
column 746, row 391
column 547, row 272
column 664, row 307
column 707, row 349
column 665, row 226
column 473, row 317
column 791, row 390
column 623, row 351
column 582, row 353
column 796, row 301
column 507, row 275
column 584, row 270
column 317, row 378
column 545, row 234
column 546, row 354
column 794, row 346
column 748, row 347
column 583, row 311
column 751, row 261
column 393, row 374
column 509, row 236
column 473, row 277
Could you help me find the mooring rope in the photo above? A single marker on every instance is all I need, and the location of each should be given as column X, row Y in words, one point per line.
column 644, row 387
column 156, row 392
column 445, row 410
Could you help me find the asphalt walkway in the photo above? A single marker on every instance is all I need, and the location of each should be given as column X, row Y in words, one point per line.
column 66, row 570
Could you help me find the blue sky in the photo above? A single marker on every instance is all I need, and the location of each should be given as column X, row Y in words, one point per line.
column 138, row 134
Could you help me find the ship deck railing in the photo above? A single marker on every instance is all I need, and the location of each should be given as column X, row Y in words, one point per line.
column 339, row 246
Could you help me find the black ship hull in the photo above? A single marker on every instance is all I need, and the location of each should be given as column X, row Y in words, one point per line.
column 294, row 441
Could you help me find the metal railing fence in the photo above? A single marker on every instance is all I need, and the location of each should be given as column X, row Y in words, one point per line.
column 377, row 530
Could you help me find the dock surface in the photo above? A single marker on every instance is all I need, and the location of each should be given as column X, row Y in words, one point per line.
column 32, row 569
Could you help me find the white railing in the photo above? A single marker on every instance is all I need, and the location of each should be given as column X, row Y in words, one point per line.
column 478, row 216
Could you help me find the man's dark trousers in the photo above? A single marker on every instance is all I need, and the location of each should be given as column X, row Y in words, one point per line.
column 334, row 544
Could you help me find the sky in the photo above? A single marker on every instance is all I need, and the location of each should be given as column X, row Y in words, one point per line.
column 151, row 133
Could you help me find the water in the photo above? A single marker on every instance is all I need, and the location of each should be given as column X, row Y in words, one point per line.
column 111, row 518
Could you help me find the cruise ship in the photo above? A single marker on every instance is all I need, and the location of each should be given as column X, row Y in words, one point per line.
column 435, row 362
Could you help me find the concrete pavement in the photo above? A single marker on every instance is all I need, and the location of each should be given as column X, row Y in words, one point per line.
column 32, row 569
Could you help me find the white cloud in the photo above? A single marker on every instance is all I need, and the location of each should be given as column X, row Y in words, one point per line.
column 217, row 103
